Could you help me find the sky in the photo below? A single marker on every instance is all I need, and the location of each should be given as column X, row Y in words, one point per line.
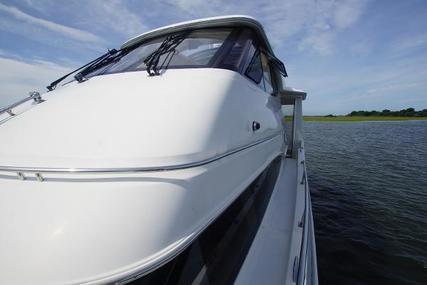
column 347, row 54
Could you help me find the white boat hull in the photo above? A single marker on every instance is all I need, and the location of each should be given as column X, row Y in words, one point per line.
column 100, row 228
column 115, row 176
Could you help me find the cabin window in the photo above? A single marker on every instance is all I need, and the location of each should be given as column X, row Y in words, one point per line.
column 247, row 58
column 243, row 55
column 268, row 83
column 254, row 69
column 238, row 54
column 259, row 70
column 198, row 49
column 236, row 49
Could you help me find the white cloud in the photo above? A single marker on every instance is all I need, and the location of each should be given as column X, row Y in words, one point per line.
column 316, row 23
column 101, row 16
column 18, row 77
column 328, row 19
column 320, row 43
column 311, row 25
column 115, row 15
column 70, row 32
column 347, row 12
column 408, row 43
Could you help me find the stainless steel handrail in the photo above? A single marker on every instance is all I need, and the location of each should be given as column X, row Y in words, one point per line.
column 304, row 246
column 134, row 169
column 308, row 243
column 313, row 278
column 33, row 96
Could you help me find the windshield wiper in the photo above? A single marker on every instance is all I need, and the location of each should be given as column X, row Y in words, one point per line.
column 168, row 47
column 88, row 66
column 80, row 77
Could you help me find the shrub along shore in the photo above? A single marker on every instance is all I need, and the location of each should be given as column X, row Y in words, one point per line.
column 384, row 115
column 358, row 118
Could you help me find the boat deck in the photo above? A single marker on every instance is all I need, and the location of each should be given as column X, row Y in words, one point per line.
column 278, row 240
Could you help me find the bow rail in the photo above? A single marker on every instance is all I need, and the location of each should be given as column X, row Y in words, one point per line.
column 34, row 95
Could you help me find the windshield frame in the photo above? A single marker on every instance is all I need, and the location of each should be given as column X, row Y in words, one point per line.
column 212, row 63
column 216, row 61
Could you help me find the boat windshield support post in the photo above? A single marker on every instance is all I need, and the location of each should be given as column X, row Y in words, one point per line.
column 292, row 99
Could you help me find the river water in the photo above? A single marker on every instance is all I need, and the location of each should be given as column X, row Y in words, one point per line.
column 369, row 193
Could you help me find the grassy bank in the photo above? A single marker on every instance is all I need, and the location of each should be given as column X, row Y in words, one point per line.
column 358, row 118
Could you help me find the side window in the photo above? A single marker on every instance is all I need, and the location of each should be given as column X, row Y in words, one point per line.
column 254, row 70
column 258, row 69
column 267, row 74
column 236, row 55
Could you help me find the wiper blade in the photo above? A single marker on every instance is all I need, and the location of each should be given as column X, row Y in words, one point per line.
column 52, row 86
column 102, row 62
column 168, row 47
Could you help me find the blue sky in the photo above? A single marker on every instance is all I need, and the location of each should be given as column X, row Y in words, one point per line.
column 348, row 54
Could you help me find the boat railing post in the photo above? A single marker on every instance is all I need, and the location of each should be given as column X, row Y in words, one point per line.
column 297, row 128
column 293, row 98
column 32, row 96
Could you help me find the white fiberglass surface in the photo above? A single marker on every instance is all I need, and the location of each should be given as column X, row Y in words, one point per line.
column 66, row 231
column 133, row 120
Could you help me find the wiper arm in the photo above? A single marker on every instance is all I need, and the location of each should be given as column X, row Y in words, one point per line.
column 52, row 86
column 168, row 47
column 102, row 62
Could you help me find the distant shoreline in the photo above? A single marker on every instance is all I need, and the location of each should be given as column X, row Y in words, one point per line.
column 360, row 118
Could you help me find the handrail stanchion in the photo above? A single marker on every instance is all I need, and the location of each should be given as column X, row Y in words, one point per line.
column 33, row 96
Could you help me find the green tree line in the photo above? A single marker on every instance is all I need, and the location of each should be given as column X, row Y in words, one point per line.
column 410, row 112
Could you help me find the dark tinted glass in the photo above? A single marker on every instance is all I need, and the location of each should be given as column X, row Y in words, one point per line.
column 267, row 74
column 236, row 56
column 254, row 70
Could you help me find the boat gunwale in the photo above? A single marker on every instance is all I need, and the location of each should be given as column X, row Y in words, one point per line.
column 136, row 270
column 70, row 170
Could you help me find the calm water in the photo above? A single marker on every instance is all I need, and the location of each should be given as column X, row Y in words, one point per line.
column 369, row 192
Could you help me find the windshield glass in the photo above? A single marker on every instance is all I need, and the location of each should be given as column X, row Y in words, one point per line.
column 198, row 49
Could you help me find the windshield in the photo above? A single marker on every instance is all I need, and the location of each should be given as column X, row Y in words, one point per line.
column 198, row 49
